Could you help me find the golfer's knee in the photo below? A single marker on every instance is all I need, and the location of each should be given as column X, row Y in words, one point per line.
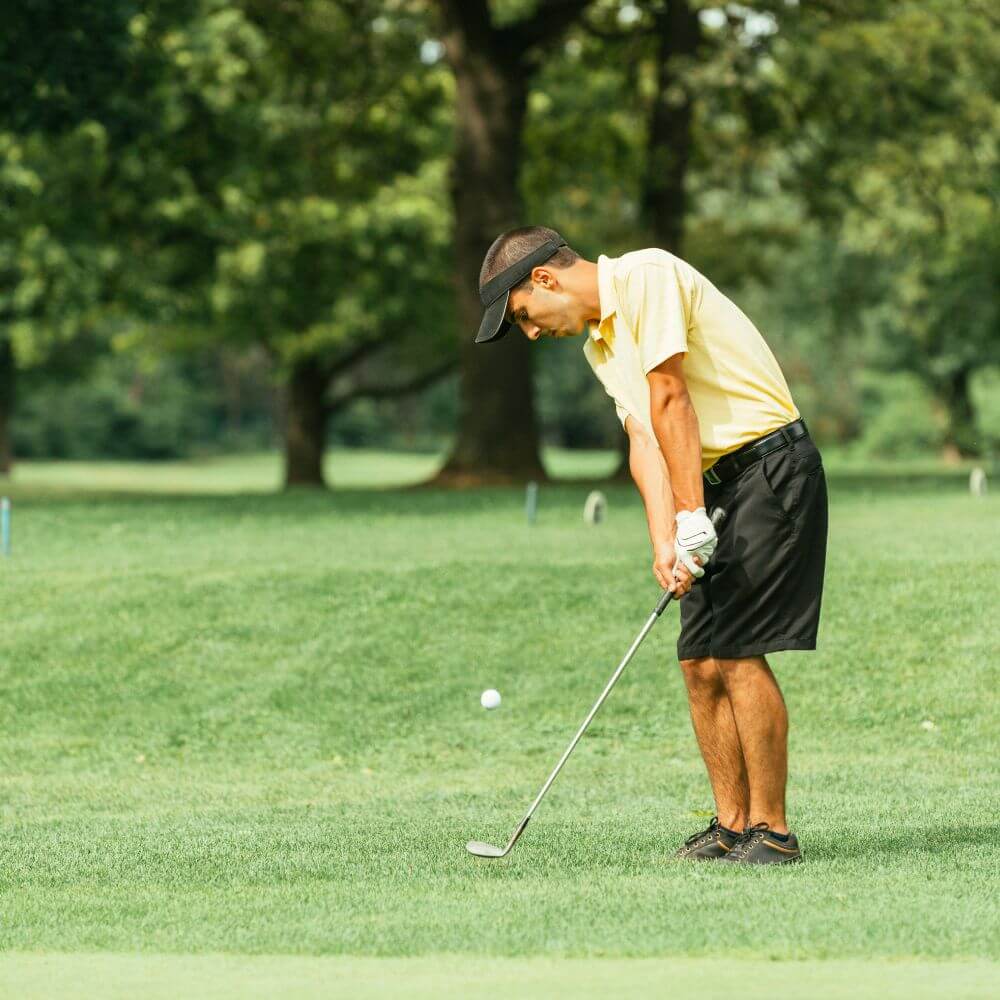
column 701, row 674
column 744, row 668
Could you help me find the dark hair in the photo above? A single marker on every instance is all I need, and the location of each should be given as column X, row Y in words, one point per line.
column 516, row 244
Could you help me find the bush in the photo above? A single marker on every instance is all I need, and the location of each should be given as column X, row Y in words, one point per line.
column 986, row 400
column 899, row 416
column 169, row 408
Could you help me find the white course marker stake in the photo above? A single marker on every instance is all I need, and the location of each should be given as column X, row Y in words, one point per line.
column 5, row 526
column 977, row 482
column 531, row 501
column 595, row 509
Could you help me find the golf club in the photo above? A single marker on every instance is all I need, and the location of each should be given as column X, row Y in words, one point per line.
column 481, row 850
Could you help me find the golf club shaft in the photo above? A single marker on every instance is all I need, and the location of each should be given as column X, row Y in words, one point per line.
column 650, row 622
column 718, row 516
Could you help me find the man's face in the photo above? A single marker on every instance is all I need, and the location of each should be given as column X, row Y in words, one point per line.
column 545, row 311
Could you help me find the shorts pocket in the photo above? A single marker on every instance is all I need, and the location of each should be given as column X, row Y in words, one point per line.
column 784, row 475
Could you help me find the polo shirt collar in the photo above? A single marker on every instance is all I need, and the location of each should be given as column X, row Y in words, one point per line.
column 604, row 330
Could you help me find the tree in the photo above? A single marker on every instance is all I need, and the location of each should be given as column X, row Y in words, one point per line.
column 671, row 93
column 494, row 63
column 847, row 148
column 55, row 263
column 298, row 201
column 60, row 72
column 892, row 119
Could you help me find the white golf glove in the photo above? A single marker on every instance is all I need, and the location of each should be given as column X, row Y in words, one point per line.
column 695, row 537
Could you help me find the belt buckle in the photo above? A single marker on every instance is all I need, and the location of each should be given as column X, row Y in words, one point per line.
column 712, row 477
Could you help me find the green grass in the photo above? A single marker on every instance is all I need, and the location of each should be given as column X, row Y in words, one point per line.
column 242, row 977
column 262, row 473
column 250, row 725
column 373, row 469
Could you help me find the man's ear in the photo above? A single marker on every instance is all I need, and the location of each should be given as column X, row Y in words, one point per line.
column 544, row 277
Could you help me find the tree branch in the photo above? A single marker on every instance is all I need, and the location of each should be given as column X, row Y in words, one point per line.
column 412, row 385
column 357, row 353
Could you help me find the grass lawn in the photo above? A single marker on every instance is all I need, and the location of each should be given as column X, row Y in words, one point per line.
column 262, row 473
column 248, row 725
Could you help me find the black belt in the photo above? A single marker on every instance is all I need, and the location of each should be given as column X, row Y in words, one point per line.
column 731, row 465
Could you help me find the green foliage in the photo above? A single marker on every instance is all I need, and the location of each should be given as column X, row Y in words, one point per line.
column 574, row 409
column 986, row 394
column 53, row 265
column 875, row 121
column 303, row 155
column 196, row 174
column 78, row 120
column 582, row 168
column 257, row 176
column 62, row 64
column 167, row 408
column 419, row 423
column 898, row 416
column 892, row 119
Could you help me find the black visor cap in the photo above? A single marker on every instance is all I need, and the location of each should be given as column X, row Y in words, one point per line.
column 495, row 294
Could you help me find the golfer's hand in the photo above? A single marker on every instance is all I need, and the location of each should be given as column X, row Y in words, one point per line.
column 696, row 539
column 670, row 574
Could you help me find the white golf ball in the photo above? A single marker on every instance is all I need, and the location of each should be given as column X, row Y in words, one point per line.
column 490, row 699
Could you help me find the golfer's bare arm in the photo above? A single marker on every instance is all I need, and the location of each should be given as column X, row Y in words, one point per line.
column 653, row 482
column 676, row 427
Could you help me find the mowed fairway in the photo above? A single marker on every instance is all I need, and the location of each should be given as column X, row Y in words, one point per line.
column 250, row 726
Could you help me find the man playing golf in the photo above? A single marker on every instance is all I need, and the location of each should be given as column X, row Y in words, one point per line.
column 710, row 422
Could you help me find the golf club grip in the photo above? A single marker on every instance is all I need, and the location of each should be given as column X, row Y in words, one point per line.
column 717, row 518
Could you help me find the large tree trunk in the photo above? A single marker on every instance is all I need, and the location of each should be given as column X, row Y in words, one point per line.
column 664, row 196
column 961, row 437
column 497, row 428
column 305, row 425
column 6, row 405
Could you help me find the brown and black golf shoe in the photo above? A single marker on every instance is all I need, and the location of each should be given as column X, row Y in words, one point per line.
column 710, row 844
column 759, row 845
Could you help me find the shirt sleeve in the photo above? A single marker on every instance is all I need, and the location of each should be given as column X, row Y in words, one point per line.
column 656, row 313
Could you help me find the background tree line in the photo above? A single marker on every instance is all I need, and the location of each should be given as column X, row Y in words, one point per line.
column 247, row 224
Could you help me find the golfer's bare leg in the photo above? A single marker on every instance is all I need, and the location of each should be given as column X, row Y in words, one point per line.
column 762, row 723
column 718, row 740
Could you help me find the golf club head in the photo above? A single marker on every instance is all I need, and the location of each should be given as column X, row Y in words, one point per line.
column 482, row 850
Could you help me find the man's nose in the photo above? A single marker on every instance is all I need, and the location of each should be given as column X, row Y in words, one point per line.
column 532, row 331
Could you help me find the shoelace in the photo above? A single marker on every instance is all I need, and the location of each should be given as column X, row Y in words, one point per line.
column 745, row 840
column 710, row 829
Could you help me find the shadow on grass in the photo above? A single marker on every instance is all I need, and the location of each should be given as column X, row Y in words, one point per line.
column 909, row 841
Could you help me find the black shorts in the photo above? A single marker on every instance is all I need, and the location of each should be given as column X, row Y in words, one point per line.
column 761, row 592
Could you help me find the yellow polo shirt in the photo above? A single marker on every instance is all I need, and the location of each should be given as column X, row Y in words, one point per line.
column 653, row 306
